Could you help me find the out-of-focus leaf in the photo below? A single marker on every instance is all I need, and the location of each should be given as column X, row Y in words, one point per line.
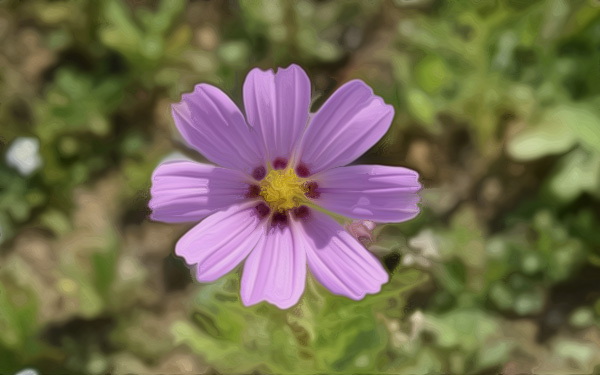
column 432, row 73
column 120, row 32
column 464, row 329
column 577, row 172
column 563, row 253
column 56, row 221
column 142, row 35
column 558, row 131
column 325, row 332
column 550, row 138
column 420, row 106
column 104, row 265
column 234, row 53
column 18, row 316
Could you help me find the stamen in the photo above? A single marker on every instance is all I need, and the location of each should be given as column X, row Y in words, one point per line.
column 311, row 190
column 282, row 190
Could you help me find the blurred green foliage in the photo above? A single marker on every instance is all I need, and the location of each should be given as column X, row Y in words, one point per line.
column 497, row 106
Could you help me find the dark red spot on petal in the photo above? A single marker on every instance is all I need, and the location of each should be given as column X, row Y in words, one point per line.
column 262, row 210
column 301, row 212
column 253, row 191
column 311, row 190
column 259, row 173
column 279, row 219
column 302, row 170
column 280, row 163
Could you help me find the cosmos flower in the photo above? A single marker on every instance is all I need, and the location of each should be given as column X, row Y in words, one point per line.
column 282, row 171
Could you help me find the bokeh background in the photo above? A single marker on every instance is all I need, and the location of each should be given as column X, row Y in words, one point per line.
column 497, row 107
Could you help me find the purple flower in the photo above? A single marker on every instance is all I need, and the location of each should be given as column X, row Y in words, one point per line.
column 281, row 170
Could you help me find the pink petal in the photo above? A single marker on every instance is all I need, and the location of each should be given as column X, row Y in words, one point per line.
column 346, row 126
column 221, row 241
column 276, row 270
column 211, row 123
column 277, row 106
column 187, row 191
column 338, row 260
column 373, row 192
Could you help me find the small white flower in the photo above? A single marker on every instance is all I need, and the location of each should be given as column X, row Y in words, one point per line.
column 23, row 155
column 418, row 321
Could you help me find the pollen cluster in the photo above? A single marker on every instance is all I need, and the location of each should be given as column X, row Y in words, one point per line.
column 283, row 190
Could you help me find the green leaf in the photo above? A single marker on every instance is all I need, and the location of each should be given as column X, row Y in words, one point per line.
column 18, row 315
column 420, row 106
column 432, row 73
column 104, row 265
column 552, row 136
column 577, row 172
column 559, row 129
column 121, row 32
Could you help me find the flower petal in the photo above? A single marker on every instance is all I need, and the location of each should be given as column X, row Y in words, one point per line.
column 373, row 192
column 345, row 127
column 187, row 191
column 277, row 106
column 211, row 123
column 221, row 241
column 276, row 270
column 338, row 260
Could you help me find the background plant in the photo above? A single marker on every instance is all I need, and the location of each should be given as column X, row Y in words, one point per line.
column 497, row 106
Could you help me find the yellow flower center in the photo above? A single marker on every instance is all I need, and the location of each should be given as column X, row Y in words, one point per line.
column 282, row 189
